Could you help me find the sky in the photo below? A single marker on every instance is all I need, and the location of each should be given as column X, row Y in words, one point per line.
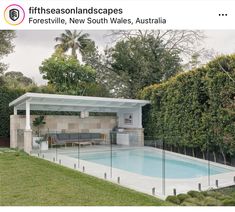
column 32, row 47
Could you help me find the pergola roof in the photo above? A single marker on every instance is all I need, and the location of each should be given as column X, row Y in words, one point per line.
column 55, row 102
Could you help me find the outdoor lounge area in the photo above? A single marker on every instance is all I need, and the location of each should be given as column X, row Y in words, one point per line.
column 122, row 115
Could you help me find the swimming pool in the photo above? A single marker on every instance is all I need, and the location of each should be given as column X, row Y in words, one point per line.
column 148, row 162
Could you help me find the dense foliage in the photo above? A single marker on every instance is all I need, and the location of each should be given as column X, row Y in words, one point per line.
column 6, row 46
column 75, row 41
column 7, row 95
column 68, row 76
column 224, row 197
column 15, row 79
column 139, row 58
column 142, row 61
column 195, row 109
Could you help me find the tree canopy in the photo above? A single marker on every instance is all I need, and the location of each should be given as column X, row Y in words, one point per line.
column 15, row 79
column 186, row 42
column 68, row 76
column 6, row 46
column 142, row 61
column 76, row 42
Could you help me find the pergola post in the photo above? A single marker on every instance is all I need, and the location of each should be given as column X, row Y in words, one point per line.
column 140, row 116
column 27, row 125
column 15, row 111
column 13, row 129
column 27, row 132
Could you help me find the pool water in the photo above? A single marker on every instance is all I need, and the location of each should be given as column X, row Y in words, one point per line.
column 148, row 162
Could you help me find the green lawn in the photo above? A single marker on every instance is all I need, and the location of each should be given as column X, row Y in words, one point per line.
column 25, row 180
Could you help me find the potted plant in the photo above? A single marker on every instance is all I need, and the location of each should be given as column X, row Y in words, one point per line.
column 39, row 141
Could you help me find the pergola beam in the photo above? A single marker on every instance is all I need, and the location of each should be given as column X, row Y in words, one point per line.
column 84, row 105
column 71, row 109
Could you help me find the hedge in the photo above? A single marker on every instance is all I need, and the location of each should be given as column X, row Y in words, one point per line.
column 195, row 109
column 6, row 96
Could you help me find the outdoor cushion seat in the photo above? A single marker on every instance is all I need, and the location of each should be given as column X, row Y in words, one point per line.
column 63, row 136
column 96, row 136
column 66, row 138
column 85, row 136
column 73, row 137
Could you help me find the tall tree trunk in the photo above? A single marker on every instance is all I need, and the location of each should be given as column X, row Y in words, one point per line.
column 193, row 152
column 224, row 157
column 214, row 156
column 203, row 155
column 74, row 54
column 184, row 150
column 171, row 148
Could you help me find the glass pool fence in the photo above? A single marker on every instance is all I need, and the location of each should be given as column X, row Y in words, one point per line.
column 147, row 164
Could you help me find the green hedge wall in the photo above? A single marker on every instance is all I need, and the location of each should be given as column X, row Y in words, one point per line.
column 195, row 109
column 6, row 96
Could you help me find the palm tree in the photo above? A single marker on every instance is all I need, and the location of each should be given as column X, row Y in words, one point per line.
column 76, row 41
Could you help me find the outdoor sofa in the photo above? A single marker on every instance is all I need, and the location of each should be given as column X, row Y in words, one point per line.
column 76, row 138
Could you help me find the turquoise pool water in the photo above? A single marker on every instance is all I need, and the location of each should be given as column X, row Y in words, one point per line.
column 149, row 163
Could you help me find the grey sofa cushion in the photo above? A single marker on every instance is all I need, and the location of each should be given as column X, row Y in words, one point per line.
column 96, row 136
column 85, row 136
column 63, row 136
column 73, row 136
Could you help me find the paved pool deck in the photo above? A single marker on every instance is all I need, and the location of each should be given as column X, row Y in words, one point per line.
column 150, row 185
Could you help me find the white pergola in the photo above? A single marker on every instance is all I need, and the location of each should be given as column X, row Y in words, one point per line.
column 53, row 102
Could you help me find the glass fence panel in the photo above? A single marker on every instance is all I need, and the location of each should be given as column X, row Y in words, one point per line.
column 126, row 159
column 83, row 151
column 186, row 168
column 153, row 165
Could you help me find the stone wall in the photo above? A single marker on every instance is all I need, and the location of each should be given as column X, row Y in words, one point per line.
column 59, row 123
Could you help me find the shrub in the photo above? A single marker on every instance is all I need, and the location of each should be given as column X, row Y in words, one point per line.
column 173, row 199
column 222, row 197
column 214, row 194
column 193, row 201
column 233, row 195
column 186, row 204
column 196, row 194
column 183, row 197
column 210, row 201
column 228, row 202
